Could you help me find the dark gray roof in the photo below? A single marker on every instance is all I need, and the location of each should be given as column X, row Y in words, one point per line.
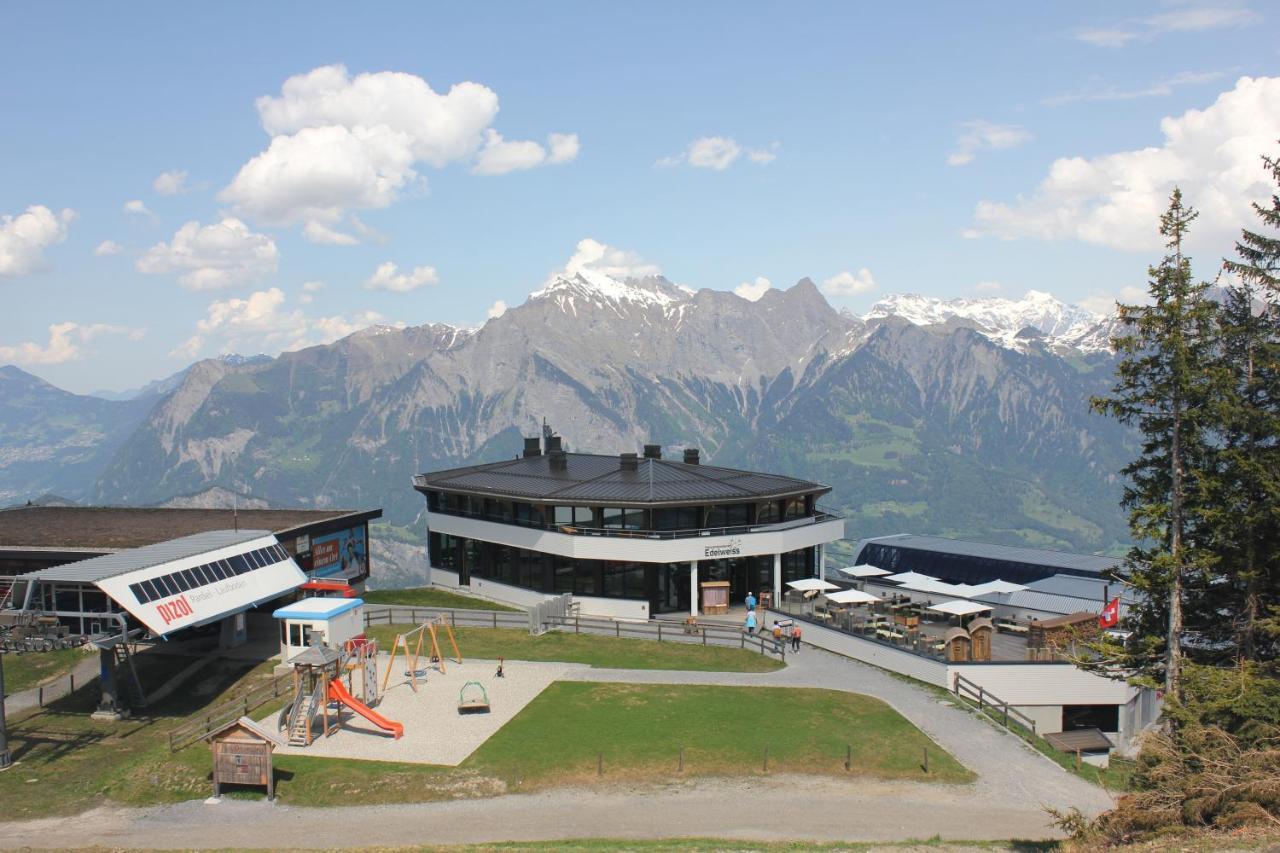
column 1090, row 563
column 135, row 559
column 592, row 479
column 1046, row 602
column 1079, row 586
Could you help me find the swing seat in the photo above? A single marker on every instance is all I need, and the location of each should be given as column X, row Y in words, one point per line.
column 473, row 699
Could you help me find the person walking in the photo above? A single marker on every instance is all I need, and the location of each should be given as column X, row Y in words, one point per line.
column 751, row 622
column 750, row 602
column 795, row 639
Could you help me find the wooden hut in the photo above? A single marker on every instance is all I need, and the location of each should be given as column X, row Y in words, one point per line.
column 1061, row 632
column 980, row 631
column 242, row 755
column 959, row 645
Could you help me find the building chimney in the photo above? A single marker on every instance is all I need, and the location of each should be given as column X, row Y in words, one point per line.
column 653, row 451
column 629, row 462
column 532, row 447
column 559, row 459
column 691, row 456
column 553, row 443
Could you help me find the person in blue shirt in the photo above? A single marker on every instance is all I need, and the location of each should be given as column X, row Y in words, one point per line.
column 751, row 622
column 751, row 602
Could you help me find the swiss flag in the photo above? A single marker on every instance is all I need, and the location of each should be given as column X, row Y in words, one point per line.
column 1110, row 616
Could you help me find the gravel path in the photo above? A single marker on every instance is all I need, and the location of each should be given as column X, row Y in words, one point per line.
column 775, row 809
column 24, row 700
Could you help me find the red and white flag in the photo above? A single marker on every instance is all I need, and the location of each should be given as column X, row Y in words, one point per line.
column 1110, row 616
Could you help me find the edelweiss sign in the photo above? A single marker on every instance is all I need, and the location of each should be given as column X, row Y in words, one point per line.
column 732, row 548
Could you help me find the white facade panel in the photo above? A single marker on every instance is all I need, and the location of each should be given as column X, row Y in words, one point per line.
column 640, row 547
column 206, row 603
column 1044, row 684
column 1048, row 718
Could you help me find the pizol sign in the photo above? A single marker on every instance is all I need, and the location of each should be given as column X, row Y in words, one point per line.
column 732, row 548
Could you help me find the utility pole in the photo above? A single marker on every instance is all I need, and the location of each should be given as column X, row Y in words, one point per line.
column 5, row 758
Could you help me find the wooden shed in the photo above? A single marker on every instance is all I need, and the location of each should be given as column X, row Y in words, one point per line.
column 1061, row 631
column 242, row 755
column 980, row 631
column 959, row 645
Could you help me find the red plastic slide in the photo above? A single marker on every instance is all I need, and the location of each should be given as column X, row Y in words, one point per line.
column 338, row 693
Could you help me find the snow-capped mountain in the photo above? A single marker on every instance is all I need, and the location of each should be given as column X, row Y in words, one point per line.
column 586, row 285
column 1006, row 321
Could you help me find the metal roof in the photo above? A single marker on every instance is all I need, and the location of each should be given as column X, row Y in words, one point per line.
column 317, row 608
column 136, row 559
column 1045, row 602
column 1089, row 563
column 590, row 478
column 1094, row 589
column 110, row 528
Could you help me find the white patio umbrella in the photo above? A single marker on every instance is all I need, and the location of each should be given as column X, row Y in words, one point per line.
column 864, row 571
column 811, row 584
column 959, row 608
column 994, row 586
column 910, row 577
column 852, row 596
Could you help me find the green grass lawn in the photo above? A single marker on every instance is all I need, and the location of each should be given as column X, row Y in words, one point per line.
column 639, row 730
column 428, row 596
column 600, row 651
column 27, row 670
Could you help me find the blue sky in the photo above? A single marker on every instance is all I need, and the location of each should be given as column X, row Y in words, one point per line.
column 943, row 149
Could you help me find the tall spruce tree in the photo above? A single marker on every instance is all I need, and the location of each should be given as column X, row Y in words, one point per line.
column 1244, row 507
column 1162, row 389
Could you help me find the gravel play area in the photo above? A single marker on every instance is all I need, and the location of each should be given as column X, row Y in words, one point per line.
column 434, row 731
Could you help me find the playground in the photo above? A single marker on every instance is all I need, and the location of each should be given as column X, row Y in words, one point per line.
column 434, row 730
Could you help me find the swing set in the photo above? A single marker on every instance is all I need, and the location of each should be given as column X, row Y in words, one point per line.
column 435, row 655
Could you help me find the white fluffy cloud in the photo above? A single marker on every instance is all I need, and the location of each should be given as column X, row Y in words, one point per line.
column 1190, row 18
column 1115, row 199
column 1105, row 303
column 261, row 322
column 23, row 238
column 979, row 135
column 849, row 283
column 753, row 290
column 594, row 256
column 341, row 142
column 65, row 343
column 108, row 247
column 498, row 156
column 388, row 277
column 497, row 309
column 719, row 153
column 208, row 257
column 171, row 183
column 135, row 207
column 309, row 290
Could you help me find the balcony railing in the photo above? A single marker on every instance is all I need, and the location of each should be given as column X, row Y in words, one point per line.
column 820, row 515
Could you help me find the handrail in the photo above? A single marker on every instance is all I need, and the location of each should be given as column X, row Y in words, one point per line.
column 199, row 725
column 985, row 699
column 620, row 533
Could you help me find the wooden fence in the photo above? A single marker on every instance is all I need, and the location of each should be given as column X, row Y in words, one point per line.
column 213, row 718
column 397, row 615
column 997, row 708
column 679, row 632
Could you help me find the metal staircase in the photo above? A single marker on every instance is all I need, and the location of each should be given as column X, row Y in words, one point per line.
column 129, row 685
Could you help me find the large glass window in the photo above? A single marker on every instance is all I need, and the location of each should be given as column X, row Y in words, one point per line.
column 676, row 518
column 768, row 512
column 612, row 517
column 795, row 508
column 729, row 515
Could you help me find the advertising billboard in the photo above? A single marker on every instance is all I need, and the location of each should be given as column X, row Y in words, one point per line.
column 343, row 554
